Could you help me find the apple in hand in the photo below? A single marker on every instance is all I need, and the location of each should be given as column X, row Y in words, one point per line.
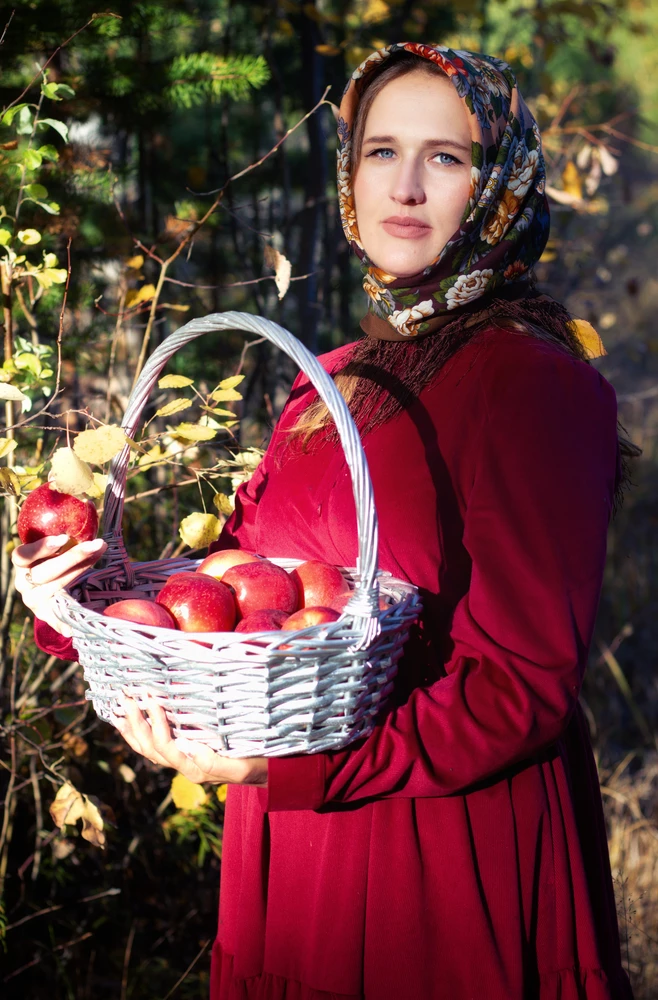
column 218, row 562
column 269, row 620
column 309, row 616
column 318, row 583
column 260, row 586
column 198, row 603
column 46, row 511
column 141, row 611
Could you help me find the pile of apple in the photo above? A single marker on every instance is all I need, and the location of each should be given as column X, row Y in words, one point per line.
column 231, row 590
column 237, row 591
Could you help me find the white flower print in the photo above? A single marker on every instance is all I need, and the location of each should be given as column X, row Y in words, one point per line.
column 468, row 287
column 403, row 319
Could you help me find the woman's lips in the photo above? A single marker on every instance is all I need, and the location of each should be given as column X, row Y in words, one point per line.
column 405, row 228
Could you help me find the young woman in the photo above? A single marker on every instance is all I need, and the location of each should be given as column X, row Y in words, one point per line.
column 458, row 853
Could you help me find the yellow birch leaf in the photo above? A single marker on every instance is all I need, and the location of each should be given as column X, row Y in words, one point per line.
column 70, row 805
column 224, row 395
column 136, row 296
column 9, row 482
column 29, row 237
column 186, row 794
column 69, row 473
column 571, row 181
column 217, row 411
column 8, row 391
column 155, row 456
column 199, row 530
column 28, row 482
column 7, row 445
column 135, row 262
column 174, row 382
column 194, row 432
column 231, row 382
column 175, row 406
column 99, row 486
column 66, row 806
column 176, row 306
column 221, row 793
column 98, row 445
column 282, row 269
column 222, row 503
column 588, row 337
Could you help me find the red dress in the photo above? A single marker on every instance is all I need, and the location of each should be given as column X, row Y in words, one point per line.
column 458, row 853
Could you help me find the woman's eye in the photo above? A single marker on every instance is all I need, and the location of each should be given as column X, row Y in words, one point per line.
column 446, row 159
column 382, row 154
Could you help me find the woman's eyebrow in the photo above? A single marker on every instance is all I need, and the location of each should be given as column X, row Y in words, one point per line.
column 379, row 139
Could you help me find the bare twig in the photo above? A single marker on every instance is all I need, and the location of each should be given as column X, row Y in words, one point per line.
column 2, row 38
column 60, row 906
column 50, row 58
column 239, row 284
column 38, row 816
column 126, row 960
column 204, row 948
column 60, row 332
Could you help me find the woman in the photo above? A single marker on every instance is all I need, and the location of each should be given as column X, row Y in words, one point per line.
column 460, row 851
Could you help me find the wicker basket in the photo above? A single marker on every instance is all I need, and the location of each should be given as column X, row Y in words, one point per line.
column 269, row 693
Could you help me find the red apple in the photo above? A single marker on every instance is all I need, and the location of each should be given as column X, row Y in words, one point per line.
column 260, row 586
column 198, row 603
column 309, row 616
column 269, row 620
column 318, row 583
column 218, row 562
column 46, row 511
column 141, row 611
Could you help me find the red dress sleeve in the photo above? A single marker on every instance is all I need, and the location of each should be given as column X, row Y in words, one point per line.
column 52, row 642
column 535, row 528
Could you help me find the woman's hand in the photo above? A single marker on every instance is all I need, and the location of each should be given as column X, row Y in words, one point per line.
column 41, row 572
column 196, row 761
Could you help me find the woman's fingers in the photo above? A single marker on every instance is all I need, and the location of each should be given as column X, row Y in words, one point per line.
column 66, row 566
column 32, row 552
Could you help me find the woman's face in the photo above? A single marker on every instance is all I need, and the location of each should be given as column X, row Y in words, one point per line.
column 413, row 177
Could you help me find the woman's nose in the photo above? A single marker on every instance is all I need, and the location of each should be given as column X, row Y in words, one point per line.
column 408, row 186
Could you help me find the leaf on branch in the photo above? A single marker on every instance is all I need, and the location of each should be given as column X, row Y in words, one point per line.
column 155, row 456
column 8, row 391
column 135, row 296
column 9, row 115
column 217, row 411
column 176, row 306
column 221, row 793
column 186, row 794
column 174, row 382
column 100, row 485
column 135, row 262
column 223, row 504
column 231, row 382
column 7, row 445
column 194, row 432
column 175, row 406
column 57, row 125
column 224, row 395
column 199, row 530
column 69, row 806
column 282, row 269
column 69, row 473
column 609, row 163
column 571, row 181
column 9, row 482
column 588, row 337
column 29, row 236
column 47, row 274
column 99, row 445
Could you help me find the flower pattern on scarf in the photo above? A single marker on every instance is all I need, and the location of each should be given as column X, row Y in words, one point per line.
column 505, row 225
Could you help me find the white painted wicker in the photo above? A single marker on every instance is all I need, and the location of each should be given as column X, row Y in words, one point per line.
column 269, row 693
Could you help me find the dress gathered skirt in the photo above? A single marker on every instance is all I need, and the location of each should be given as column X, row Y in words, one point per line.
column 459, row 852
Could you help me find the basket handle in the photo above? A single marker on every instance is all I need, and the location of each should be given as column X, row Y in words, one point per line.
column 365, row 602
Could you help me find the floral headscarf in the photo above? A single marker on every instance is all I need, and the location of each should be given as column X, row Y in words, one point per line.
column 505, row 225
